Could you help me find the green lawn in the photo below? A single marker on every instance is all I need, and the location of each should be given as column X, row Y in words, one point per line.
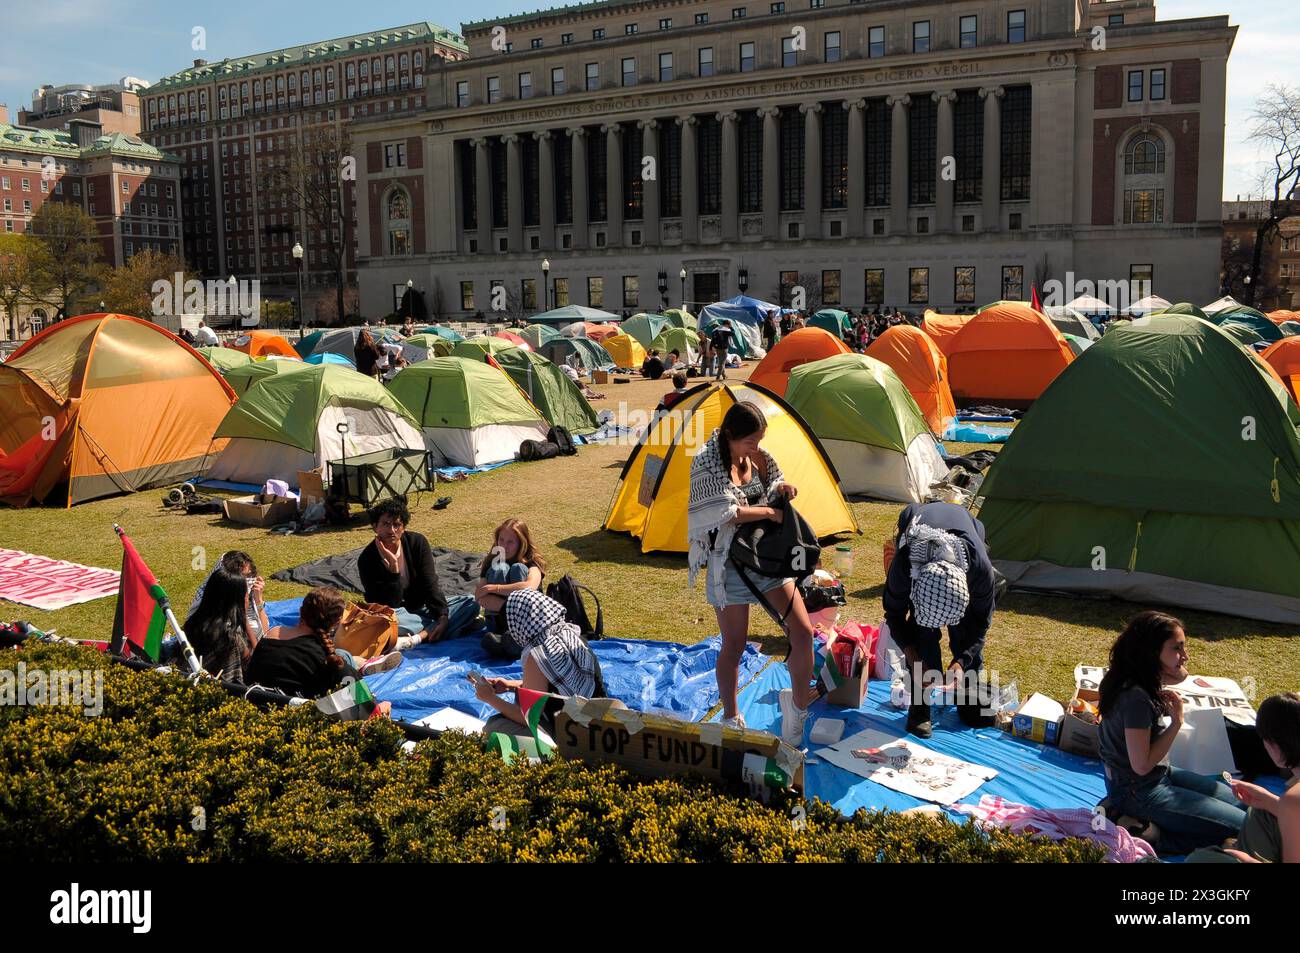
column 1035, row 639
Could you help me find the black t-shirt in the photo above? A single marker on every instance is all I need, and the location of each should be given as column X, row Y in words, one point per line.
column 298, row 666
column 1132, row 708
column 720, row 340
column 653, row 368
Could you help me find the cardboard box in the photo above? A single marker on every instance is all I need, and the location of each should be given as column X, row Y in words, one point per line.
column 851, row 692
column 1038, row 719
column 600, row 377
column 311, row 486
column 656, row 746
column 1079, row 736
column 250, row 511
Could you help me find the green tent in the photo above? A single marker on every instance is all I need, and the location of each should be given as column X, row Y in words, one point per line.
column 1249, row 318
column 1164, row 468
column 242, row 378
column 870, row 426
column 551, row 390
column 476, row 349
column 224, row 358
column 645, row 327
column 1243, row 333
column 835, row 321
column 1186, row 309
column 1290, row 328
column 1077, row 344
column 435, row 345
column 538, row 334
column 579, row 353
column 442, row 332
column 685, row 342
column 681, row 318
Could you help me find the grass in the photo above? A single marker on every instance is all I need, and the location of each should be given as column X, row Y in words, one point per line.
column 1035, row 639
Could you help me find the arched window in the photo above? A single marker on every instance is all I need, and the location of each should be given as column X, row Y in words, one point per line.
column 1145, row 156
column 1145, row 179
column 329, row 74
column 399, row 223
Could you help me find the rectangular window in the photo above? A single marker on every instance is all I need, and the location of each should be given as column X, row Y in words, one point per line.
column 395, row 155
column 631, row 291
column 1016, row 26
column 1135, row 79
column 778, row 8
column 557, row 81
column 831, row 47
column 560, row 288
column 629, row 71
column 1144, row 206
column 1016, row 139
column 874, row 286
column 665, row 67
column 528, row 293
column 566, row 39
column 1013, row 222
column 629, row 29
column 666, row 24
column 593, row 77
column 701, row 19
column 749, row 135
column 963, row 285
column 921, row 36
column 791, row 151
column 1013, row 283
column 467, row 296
column 1157, row 85
column 525, row 85
column 969, row 32
column 706, row 61
column 830, row 287
column 1115, row 19
column 789, row 56
column 536, row 43
column 1142, row 278
column 918, row 285
column 595, row 292
column 494, row 89
column 876, row 42
column 968, row 146
column 738, row 13
column 789, row 281
column 922, row 131
column 747, row 57
column 835, row 159
column 598, row 33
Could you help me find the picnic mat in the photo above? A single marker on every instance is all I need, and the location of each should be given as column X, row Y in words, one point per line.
column 665, row 677
column 457, row 572
column 1028, row 773
column 976, row 433
column 49, row 584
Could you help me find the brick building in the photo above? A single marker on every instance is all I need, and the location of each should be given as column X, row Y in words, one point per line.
column 1279, row 279
column 112, row 107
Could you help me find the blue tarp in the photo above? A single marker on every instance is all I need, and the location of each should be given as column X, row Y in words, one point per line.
column 985, row 419
column 647, row 676
column 754, row 309
column 974, row 433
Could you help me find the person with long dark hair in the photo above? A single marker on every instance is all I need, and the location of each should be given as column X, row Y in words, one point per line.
column 217, row 625
column 301, row 660
column 735, row 481
column 1140, row 718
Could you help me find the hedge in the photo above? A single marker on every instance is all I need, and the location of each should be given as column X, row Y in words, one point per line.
column 290, row 785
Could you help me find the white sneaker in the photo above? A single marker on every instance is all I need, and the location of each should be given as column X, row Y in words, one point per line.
column 384, row 663
column 735, row 721
column 793, row 719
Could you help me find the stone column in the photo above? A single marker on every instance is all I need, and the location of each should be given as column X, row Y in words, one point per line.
column 812, row 169
column 730, row 178
column 483, row 190
column 690, row 182
column 649, row 187
column 578, row 184
column 515, row 193
column 898, row 153
column 857, row 198
column 546, row 188
column 992, row 185
column 613, row 184
column 944, row 187
column 771, row 172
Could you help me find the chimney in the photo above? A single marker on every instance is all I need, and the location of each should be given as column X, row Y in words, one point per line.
column 4, row 114
column 198, row 63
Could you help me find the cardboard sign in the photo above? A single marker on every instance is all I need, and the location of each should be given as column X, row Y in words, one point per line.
column 1197, row 692
column 658, row 746
column 51, row 583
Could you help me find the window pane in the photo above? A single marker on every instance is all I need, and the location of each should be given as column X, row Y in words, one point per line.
column 969, row 32
column 1013, row 283
column 1157, row 84
column 1135, row 86
column 918, row 285
column 921, row 36
column 1016, row 26
column 876, row 41
column 706, row 61
column 875, row 286
column 964, row 285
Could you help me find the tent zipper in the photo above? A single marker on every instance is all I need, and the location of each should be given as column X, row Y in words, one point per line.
column 1133, row 556
column 1274, row 488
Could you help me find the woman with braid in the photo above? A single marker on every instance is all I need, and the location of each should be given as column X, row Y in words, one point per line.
column 301, row 660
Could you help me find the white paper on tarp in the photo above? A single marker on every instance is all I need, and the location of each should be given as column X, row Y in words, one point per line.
column 449, row 719
column 1197, row 692
column 926, row 775
column 1202, row 745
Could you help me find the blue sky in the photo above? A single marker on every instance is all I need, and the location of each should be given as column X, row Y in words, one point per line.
column 97, row 41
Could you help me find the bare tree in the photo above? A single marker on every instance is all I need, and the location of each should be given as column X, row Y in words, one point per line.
column 1276, row 126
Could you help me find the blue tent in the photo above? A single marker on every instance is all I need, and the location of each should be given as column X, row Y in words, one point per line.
column 329, row 357
column 746, row 341
column 755, row 309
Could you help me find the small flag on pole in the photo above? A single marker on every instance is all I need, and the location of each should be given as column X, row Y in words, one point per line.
column 141, row 616
column 533, row 704
column 350, row 703
column 1037, row 303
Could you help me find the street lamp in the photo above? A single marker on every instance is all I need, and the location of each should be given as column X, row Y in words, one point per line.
column 742, row 279
column 682, row 275
column 546, row 284
column 410, row 299
column 297, row 257
column 662, row 281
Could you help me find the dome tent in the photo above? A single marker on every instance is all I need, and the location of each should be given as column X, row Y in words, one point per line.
column 538, row 334
column 224, row 358
column 343, row 342
column 433, row 345
column 580, row 353
column 1007, row 355
column 922, row 368
column 475, row 349
column 654, row 487
column 1184, row 527
column 1068, row 321
column 797, row 347
column 133, row 407
column 470, row 412
column 550, row 389
column 685, row 341
column 290, row 422
column 680, row 318
column 746, row 339
column 869, row 425
column 264, row 344
column 1284, row 357
column 645, row 327
column 625, row 350
column 834, row 320
column 942, row 328
column 241, row 379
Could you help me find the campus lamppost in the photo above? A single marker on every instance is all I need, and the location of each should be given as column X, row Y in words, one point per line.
column 546, row 284
column 297, row 257
column 742, row 279
column 410, row 300
column 682, row 275
column 663, row 287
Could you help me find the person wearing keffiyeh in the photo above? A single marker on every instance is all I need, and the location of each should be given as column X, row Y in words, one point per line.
column 735, row 481
column 941, row 576
column 556, row 659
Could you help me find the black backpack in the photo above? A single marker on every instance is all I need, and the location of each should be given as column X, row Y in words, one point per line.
column 775, row 550
column 537, row 450
column 568, row 593
column 561, row 437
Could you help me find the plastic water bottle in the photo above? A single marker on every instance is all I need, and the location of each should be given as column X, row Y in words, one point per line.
column 899, row 696
column 844, row 560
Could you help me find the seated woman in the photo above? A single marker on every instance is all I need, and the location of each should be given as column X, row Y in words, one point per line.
column 301, row 660
column 1140, row 718
column 397, row 570
column 513, row 564
column 218, row 627
column 556, row 660
column 242, row 563
column 1271, row 832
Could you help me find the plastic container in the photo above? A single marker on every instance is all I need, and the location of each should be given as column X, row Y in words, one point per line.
column 844, row 560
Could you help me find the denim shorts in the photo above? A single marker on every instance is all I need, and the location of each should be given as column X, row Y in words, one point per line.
column 738, row 594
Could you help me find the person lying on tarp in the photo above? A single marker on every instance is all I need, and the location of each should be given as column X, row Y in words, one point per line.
column 512, row 564
column 940, row 576
column 1271, row 831
column 397, row 569
column 557, row 660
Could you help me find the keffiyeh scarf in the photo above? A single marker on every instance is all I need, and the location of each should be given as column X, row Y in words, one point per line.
column 939, row 563
column 538, row 624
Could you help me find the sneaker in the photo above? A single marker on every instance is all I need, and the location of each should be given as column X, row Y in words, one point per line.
column 918, row 721
column 736, row 721
column 793, row 719
column 383, row 663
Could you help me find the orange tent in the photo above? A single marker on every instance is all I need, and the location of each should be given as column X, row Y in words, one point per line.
column 922, row 368
column 1277, row 317
column 265, row 344
column 104, row 404
column 598, row 332
column 1284, row 357
column 1007, row 355
column 942, row 328
column 797, row 347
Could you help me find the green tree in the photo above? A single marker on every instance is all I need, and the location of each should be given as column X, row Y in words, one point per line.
column 130, row 288
column 18, row 278
column 68, row 261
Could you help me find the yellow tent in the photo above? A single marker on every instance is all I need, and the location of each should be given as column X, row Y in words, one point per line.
column 625, row 350
column 654, row 489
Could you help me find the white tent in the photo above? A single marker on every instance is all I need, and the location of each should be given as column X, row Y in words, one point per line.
column 1148, row 305
column 1087, row 304
column 1226, row 303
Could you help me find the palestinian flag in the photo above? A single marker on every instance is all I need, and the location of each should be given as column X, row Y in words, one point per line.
column 139, row 621
column 533, row 704
column 827, row 669
column 350, row 703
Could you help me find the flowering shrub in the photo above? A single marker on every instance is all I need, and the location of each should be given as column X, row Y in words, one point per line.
column 173, row 771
